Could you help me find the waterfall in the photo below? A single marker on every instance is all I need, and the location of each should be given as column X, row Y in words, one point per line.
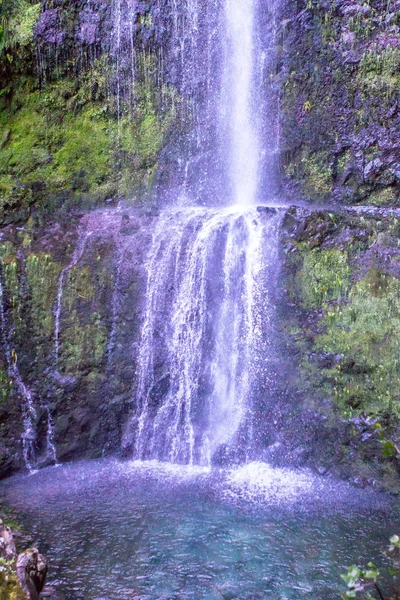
column 237, row 105
column 201, row 330
column 220, row 59
column 206, row 340
column 28, row 408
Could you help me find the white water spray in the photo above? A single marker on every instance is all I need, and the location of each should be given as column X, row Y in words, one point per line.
column 199, row 333
column 237, row 102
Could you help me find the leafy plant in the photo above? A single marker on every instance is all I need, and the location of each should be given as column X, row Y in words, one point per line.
column 365, row 583
column 390, row 448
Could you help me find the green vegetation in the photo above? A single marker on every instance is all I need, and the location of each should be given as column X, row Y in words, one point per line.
column 379, row 70
column 366, row 583
column 9, row 584
column 64, row 138
column 387, row 196
column 360, row 324
column 316, row 175
column 350, row 316
column 325, row 276
column 342, row 82
column 17, row 21
column 366, row 333
column 42, row 275
column 83, row 345
column 61, row 147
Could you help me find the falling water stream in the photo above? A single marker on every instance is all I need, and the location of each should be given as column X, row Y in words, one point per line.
column 237, row 103
column 201, row 329
column 27, row 401
column 208, row 299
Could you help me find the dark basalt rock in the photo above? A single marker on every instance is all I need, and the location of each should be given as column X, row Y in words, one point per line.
column 340, row 109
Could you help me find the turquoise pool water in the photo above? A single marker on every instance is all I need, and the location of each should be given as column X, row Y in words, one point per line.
column 148, row 531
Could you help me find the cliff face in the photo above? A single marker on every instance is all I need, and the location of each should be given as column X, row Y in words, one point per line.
column 340, row 318
column 70, row 302
column 72, row 299
column 340, row 101
column 74, row 130
column 89, row 102
column 86, row 119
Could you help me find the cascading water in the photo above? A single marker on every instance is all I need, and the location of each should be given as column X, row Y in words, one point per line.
column 206, row 308
column 208, row 305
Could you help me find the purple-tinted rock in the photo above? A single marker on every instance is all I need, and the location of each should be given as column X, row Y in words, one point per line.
column 31, row 571
column 47, row 29
column 88, row 32
column 7, row 545
column 373, row 168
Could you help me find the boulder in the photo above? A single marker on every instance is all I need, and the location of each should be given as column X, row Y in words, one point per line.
column 31, row 570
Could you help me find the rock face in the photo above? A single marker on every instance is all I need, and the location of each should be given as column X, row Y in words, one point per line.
column 31, row 569
column 78, row 289
column 336, row 78
column 82, row 109
column 75, row 133
column 340, row 101
column 340, row 318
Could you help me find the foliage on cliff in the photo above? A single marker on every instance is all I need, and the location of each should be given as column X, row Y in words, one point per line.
column 68, row 135
column 343, row 284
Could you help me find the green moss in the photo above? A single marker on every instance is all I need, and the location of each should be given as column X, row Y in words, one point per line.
column 314, row 172
column 42, row 277
column 317, row 175
column 9, row 583
column 379, row 70
column 65, row 144
column 74, row 155
column 83, row 346
column 17, row 23
column 343, row 162
column 325, row 276
column 83, row 336
column 78, row 287
column 10, row 268
column 5, row 386
column 22, row 23
column 84, row 160
column 366, row 333
column 385, row 197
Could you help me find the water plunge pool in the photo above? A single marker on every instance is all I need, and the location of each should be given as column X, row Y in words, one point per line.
column 148, row 531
